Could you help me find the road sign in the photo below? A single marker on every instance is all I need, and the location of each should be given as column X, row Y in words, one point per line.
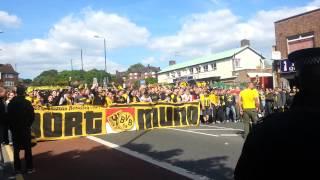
column 142, row 82
column 287, row 66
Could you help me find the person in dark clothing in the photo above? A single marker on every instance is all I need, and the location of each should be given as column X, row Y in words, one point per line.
column 2, row 114
column 21, row 117
column 120, row 98
column 99, row 98
column 291, row 96
column 230, row 106
column 286, row 145
column 154, row 95
column 283, row 95
column 269, row 102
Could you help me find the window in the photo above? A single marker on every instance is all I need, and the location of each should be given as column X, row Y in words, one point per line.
column 300, row 41
column 9, row 76
column 205, row 68
column 173, row 74
column 8, row 83
column 145, row 73
column 236, row 62
column 198, row 69
column 214, row 66
column 191, row 70
column 168, row 75
column 179, row 74
column 130, row 77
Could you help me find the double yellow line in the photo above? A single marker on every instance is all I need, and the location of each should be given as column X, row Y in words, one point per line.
column 7, row 153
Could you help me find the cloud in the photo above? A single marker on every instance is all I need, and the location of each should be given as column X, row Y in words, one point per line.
column 9, row 21
column 73, row 32
column 149, row 60
column 214, row 31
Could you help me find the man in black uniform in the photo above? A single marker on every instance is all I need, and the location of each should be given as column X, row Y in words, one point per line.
column 2, row 114
column 21, row 117
column 286, row 145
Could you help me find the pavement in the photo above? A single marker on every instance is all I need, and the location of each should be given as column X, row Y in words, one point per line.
column 211, row 151
column 204, row 152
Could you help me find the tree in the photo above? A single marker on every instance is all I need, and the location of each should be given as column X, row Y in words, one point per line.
column 151, row 80
column 53, row 77
column 27, row 81
column 136, row 67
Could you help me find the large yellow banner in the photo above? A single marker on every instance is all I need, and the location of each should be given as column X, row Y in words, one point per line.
column 62, row 122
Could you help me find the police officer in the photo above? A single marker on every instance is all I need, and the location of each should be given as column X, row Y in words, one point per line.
column 2, row 114
column 286, row 145
column 21, row 117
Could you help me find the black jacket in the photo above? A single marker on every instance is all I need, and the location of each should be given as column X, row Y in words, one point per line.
column 284, row 146
column 21, row 116
column 2, row 111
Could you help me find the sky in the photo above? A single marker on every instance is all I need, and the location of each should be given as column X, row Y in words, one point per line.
column 41, row 35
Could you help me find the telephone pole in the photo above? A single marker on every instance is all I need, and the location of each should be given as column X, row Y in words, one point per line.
column 81, row 60
column 71, row 64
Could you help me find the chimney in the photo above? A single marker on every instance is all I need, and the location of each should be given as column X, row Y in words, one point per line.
column 172, row 62
column 245, row 42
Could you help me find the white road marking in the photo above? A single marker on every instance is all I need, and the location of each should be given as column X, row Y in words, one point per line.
column 219, row 127
column 148, row 159
column 213, row 126
column 229, row 135
column 226, row 129
column 183, row 130
column 206, row 134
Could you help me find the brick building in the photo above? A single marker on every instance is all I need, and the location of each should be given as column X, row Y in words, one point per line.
column 294, row 33
column 136, row 74
column 8, row 76
column 298, row 32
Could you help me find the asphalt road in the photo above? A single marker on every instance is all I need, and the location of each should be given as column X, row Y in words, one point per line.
column 84, row 159
column 204, row 152
column 208, row 150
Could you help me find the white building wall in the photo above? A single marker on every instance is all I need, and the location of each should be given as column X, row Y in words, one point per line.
column 248, row 60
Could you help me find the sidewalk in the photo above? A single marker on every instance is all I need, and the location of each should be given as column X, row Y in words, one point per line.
column 84, row 159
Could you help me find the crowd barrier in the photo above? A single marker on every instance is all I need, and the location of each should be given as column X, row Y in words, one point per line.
column 63, row 122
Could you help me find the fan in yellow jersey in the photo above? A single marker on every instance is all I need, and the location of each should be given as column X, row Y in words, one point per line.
column 30, row 97
column 205, row 106
column 109, row 99
column 214, row 100
column 249, row 106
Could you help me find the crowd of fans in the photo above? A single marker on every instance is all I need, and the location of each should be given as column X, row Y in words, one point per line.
column 217, row 104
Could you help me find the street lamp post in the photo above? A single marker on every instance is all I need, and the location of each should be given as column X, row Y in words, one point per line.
column 105, row 55
column 106, row 80
column 105, row 50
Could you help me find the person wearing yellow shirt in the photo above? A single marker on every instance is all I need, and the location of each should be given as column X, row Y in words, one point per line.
column 205, row 106
column 249, row 106
column 109, row 99
column 30, row 97
column 214, row 100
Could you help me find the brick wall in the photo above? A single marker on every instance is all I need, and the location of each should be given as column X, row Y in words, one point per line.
column 242, row 75
column 308, row 22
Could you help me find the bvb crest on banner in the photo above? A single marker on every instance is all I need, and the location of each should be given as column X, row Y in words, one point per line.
column 121, row 121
